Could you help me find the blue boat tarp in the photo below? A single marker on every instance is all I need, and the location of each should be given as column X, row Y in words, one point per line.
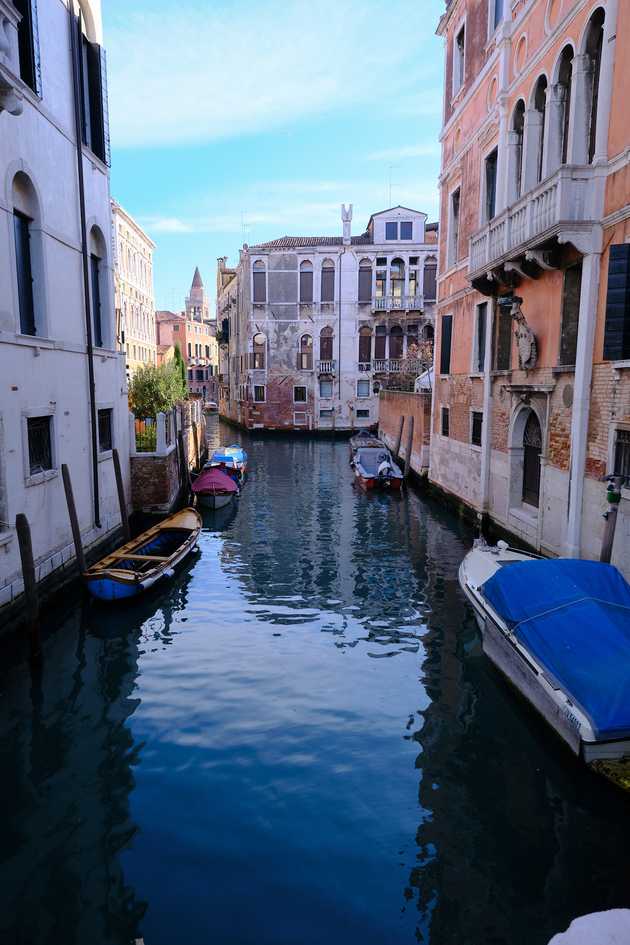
column 574, row 618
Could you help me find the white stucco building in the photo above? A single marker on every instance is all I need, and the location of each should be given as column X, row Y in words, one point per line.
column 311, row 327
column 136, row 330
column 63, row 394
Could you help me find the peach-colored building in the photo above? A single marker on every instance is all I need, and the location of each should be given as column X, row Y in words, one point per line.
column 532, row 390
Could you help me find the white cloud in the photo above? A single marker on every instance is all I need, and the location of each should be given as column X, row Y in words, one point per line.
column 193, row 72
column 409, row 151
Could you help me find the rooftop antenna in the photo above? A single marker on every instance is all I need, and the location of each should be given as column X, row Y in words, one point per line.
column 244, row 227
column 390, row 169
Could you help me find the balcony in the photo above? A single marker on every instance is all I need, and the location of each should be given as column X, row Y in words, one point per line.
column 393, row 366
column 326, row 367
column 398, row 303
column 563, row 202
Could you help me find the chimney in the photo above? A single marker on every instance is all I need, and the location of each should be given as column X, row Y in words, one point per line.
column 346, row 216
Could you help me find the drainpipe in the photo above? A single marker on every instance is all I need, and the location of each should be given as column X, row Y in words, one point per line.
column 75, row 52
column 486, row 440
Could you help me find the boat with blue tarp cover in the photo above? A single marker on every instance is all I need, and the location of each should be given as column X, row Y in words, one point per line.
column 230, row 457
column 560, row 631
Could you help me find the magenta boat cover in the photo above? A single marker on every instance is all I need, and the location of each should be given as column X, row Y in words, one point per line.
column 213, row 481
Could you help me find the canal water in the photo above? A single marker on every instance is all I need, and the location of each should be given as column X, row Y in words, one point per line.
column 298, row 741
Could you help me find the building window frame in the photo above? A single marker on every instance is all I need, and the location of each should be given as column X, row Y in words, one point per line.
column 36, row 478
column 476, row 428
column 326, row 384
column 445, row 421
column 300, row 399
column 257, row 398
column 489, row 187
column 106, row 453
column 446, row 319
column 454, row 218
column 362, row 385
column 458, row 78
column 480, row 340
column 391, row 227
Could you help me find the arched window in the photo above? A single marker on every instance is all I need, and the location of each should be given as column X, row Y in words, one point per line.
column 532, row 447
column 365, row 280
column 380, row 339
column 428, row 333
column 396, row 343
column 29, row 262
column 260, row 281
column 328, row 281
column 326, row 344
column 306, row 281
column 565, row 85
column 381, row 280
column 538, row 130
column 516, row 149
column 99, row 289
column 414, row 281
column 430, row 279
column 593, row 49
column 305, row 355
column 259, row 344
column 365, row 348
column 397, row 282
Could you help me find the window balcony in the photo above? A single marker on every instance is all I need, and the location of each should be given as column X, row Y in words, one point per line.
column 398, row 303
column 563, row 202
column 387, row 365
column 327, row 367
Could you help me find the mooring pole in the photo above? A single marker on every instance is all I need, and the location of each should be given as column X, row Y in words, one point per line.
column 399, row 438
column 120, row 488
column 184, row 464
column 613, row 497
column 31, row 594
column 74, row 521
column 409, row 446
column 196, row 442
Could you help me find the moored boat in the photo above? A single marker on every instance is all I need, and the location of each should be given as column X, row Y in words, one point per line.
column 365, row 439
column 210, row 406
column 214, row 488
column 230, row 455
column 560, row 632
column 375, row 469
column 227, row 465
column 140, row 563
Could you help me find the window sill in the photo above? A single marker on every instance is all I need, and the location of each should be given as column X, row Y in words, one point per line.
column 476, row 374
column 475, row 448
column 39, row 478
column 565, row 369
column 523, row 514
column 5, row 538
column 33, row 341
column 502, row 373
column 104, row 455
column 620, row 365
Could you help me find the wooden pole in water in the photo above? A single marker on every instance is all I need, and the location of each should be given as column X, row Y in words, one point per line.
column 186, row 481
column 31, row 594
column 196, row 442
column 409, row 445
column 74, row 521
column 399, row 438
column 121, row 496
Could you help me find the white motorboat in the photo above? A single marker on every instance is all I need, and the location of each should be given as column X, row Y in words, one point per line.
column 559, row 629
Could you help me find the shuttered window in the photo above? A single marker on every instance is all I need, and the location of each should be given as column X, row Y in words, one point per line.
column 94, row 108
column 24, row 273
column 97, row 321
column 480, row 347
column 570, row 314
column 28, row 45
column 503, row 340
column 617, row 329
column 445, row 344
column 491, row 184
column 365, row 284
column 328, row 284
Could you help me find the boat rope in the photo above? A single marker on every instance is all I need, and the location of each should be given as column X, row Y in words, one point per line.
column 570, row 603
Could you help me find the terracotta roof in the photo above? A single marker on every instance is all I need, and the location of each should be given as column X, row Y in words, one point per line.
column 294, row 242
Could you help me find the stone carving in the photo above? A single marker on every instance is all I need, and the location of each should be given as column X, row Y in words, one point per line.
column 525, row 337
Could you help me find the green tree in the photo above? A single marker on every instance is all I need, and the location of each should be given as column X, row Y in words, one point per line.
column 179, row 361
column 155, row 389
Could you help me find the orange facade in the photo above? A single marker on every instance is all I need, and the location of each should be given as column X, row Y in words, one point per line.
column 532, row 392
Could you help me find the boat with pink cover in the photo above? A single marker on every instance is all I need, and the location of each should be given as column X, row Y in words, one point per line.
column 214, row 489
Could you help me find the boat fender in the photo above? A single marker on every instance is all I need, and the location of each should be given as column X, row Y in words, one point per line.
column 169, row 572
column 384, row 469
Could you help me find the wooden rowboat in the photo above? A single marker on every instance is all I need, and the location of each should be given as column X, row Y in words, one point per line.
column 140, row 563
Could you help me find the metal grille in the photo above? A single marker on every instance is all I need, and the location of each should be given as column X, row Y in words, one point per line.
column 104, row 430
column 445, row 421
column 622, row 454
column 477, row 426
column 39, row 444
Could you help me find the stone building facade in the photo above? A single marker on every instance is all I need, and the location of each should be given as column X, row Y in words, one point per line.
column 63, row 394
column 532, row 390
column 133, row 286
column 312, row 327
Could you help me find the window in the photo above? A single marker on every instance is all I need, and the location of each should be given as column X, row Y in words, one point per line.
column 28, row 44
column 381, row 283
column 363, row 388
column 260, row 281
column 24, row 273
column 565, row 78
column 306, row 282
column 305, row 354
column 325, row 389
column 199, row 375
column 617, row 325
column 444, row 421
column 92, row 69
column 396, row 343
column 391, row 231
column 594, row 44
column 445, row 344
column 459, row 60
column 430, row 279
column 476, row 427
column 538, row 129
column 480, row 338
column 406, row 230
column 326, row 412
column 397, row 281
column 365, row 281
column 365, row 345
column 622, row 454
column 258, row 356
column 453, row 234
column 95, row 276
column 379, row 342
column 498, row 13
column 363, row 414
column 326, row 344
column 189, row 350
column 518, row 132
column 105, row 440
column 532, row 447
column 503, row 339
column 491, row 185
column 207, row 347
column 40, row 452
column 259, row 394
column 299, row 395
column 570, row 313
column 328, row 281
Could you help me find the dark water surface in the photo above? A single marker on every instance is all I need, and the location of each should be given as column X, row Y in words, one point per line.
column 298, row 740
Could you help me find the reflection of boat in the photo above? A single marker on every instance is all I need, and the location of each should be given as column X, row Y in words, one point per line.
column 140, row 563
column 367, row 440
column 214, row 488
column 375, row 469
column 560, row 631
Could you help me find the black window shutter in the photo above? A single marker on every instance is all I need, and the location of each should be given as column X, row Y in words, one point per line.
column 445, row 344
column 365, row 285
column 37, row 63
column 97, row 137
column 24, row 274
column 617, row 328
column 107, row 156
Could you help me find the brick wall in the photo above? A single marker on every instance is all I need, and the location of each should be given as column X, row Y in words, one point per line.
column 396, row 404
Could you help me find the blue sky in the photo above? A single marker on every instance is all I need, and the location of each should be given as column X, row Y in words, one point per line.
column 238, row 122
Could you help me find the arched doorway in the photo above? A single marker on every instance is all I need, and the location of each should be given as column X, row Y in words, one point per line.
column 532, row 448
